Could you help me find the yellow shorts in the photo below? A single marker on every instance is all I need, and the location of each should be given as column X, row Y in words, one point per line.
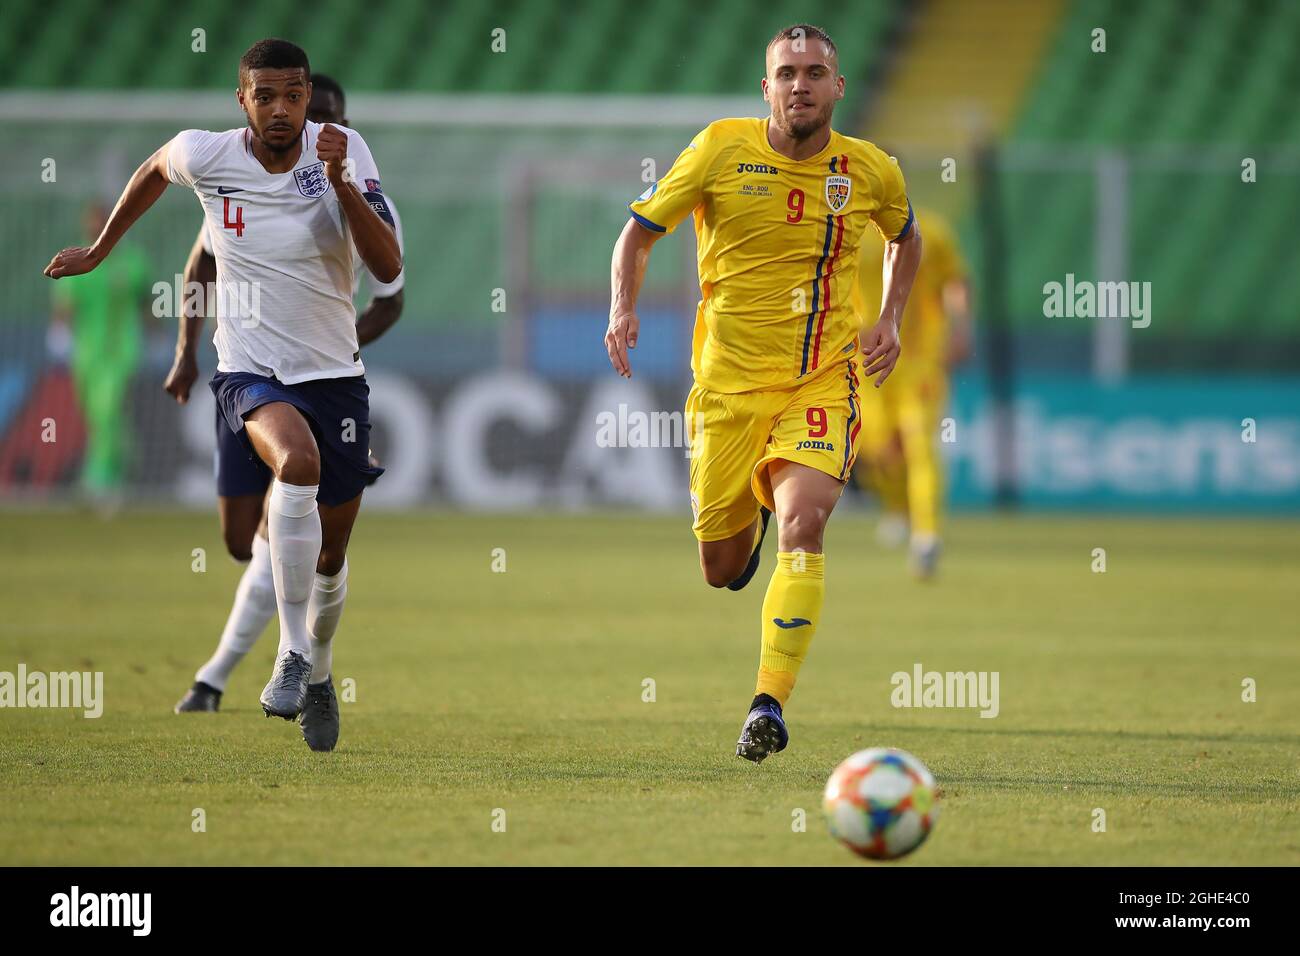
column 906, row 410
column 735, row 437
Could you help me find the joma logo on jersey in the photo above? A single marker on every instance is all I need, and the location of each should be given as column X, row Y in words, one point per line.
column 838, row 189
column 757, row 168
column 807, row 445
column 311, row 180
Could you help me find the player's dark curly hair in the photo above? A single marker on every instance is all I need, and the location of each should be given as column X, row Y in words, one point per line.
column 804, row 31
column 273, row 54
column 319, row 81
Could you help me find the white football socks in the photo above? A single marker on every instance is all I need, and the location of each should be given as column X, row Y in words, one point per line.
column 253, row 609
column 323, row 613
column 294, row 526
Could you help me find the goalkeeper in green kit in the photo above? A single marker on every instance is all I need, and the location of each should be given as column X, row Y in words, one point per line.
column 96, row 327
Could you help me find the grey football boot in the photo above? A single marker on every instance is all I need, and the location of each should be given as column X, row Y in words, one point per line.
column 320, row 716
column 286, row 691
column 201, row 698
column 924, row 560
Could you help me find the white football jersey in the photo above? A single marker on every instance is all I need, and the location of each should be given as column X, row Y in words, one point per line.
column 380, row 290
column 284, row 254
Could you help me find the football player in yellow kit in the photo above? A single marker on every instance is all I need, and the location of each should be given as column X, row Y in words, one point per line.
column 780, row 206
column 899, row 458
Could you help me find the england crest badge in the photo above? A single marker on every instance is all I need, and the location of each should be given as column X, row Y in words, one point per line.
column 838, row 189
column 312, row 181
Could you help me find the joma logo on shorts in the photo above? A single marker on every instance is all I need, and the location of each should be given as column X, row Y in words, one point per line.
column 815, row 446
column 757, row 168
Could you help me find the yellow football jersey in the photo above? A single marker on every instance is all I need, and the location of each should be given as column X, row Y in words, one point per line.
column 924, row 332
column 778, row 247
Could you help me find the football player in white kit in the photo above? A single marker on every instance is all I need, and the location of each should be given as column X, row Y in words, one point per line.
column 285, row 201
column 243, row 481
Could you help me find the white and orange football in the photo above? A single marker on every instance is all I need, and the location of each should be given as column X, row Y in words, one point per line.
column 881, row 803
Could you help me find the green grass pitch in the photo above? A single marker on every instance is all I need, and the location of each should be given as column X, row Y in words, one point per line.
column 522, row 691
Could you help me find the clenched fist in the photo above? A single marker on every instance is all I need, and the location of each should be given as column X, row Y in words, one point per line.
column 332, row 147
column 181, row 378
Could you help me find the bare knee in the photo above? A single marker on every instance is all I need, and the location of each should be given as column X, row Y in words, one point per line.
column 802, row 526
column 300, row 466
column 240, row 516
column 330, row 561
column 722, row 565
column 718, row 574
column 239, row 543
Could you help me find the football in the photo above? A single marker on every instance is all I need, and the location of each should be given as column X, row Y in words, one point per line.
column 881, row 803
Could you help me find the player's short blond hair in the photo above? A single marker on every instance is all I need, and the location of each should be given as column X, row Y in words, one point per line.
column 804, row 31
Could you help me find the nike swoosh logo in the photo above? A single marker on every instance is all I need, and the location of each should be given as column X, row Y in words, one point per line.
column 793, row 622
column 224, row 191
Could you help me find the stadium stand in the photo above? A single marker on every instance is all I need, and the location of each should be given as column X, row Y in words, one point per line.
column 1191, row 89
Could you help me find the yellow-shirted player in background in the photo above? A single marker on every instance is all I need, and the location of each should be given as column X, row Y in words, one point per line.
column 899, row 458
column 780, row 205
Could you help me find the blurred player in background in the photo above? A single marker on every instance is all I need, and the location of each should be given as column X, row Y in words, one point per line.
column 96, row 325
column 900, row 458
column 243, row 481
column 284, row 213
column 780, row 207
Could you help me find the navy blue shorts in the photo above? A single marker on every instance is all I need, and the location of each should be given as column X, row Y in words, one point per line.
column 338, row 411
column 239, row 471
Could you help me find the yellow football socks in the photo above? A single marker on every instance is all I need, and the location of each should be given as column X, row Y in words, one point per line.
column 791, row 610
column 891, row 484
column 924, row 488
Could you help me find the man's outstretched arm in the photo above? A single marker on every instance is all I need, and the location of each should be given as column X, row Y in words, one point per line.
column 627, row 271
column 141, row 192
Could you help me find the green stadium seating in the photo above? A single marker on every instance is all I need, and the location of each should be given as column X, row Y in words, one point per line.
column 1186, row 89
column 585, row 46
